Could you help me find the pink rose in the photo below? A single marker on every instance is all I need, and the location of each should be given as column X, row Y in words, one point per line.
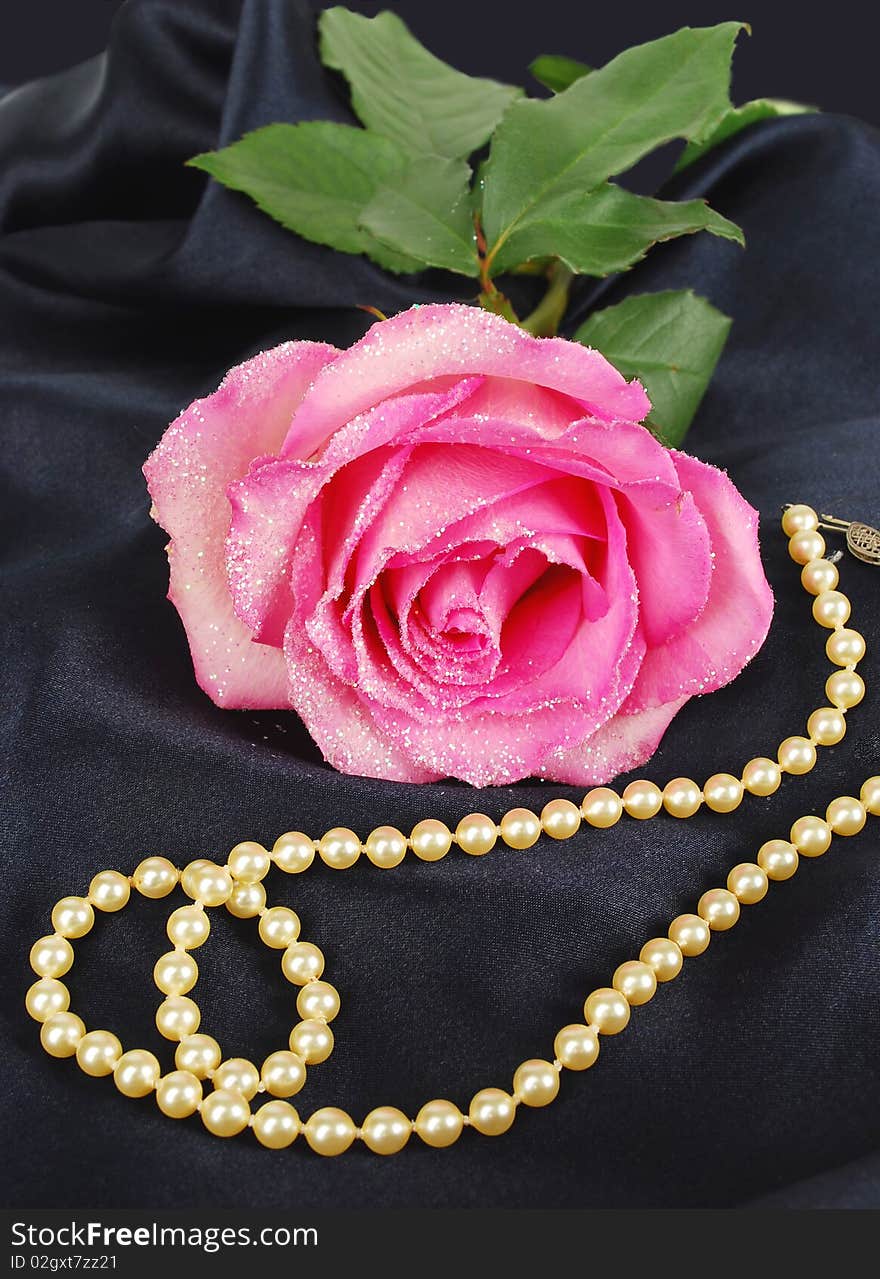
column 453, row 550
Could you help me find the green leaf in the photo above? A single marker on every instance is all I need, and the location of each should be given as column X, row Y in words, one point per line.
column 315, row 179
column 608, row 229
column 671, row 342
column 426, row 213
column 543, row 151
column 736, row 119
column 556, row 72
column 402, row 91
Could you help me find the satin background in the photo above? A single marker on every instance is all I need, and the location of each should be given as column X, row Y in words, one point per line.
column 127, row 287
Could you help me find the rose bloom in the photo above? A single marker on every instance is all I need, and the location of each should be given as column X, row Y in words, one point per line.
column 454, row 551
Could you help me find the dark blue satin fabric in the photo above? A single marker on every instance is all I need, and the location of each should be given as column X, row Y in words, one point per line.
column 126, row 289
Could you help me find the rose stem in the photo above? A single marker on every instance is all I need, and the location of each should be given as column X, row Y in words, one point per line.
column 544, row 321
column 490, row 299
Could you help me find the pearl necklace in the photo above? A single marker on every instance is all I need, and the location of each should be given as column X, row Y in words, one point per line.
column 226, row 1110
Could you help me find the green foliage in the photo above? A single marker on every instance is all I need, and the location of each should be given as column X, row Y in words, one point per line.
column 400, row 188
column 608, row 229
column 556, row 72
column 736, row 119
column 315, row 179
column 545, row 152
column 671, row 342
column 402, row 91
column 427, row 215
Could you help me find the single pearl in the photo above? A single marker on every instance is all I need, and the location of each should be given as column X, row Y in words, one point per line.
column 155, row 877
column 520, row 828
column 109, row 891
column 796, row 755
column 385, row 846
column 576, row 1047
column 175, row 972
column 51, row 956
column 246, row 901
column 302, row 962
column 276, row 1125
column 386, row 1130
column 845, row 647
column 818, row 576
column 606, row 1011
column 723, row 793
column 318, row 1000
column 136, row 1073
column 642, row 799
column 431, row 840
column 806, row 545
column 799, row 518
column 690, row 933
column 283, row 1073
column 98, row 1052
column 719, row 908
column 831, row 609
column 206, row 882
column 248, row 862
column 536, row 1082
column 225, row 1113
column 72, row 917
column 237, row 1074
column 663, row 957
column 293, row 852
column 681, row 797
column 312, row 1040
column 439, row 1123
column 198, row 1054
column 45, row 997
column 748, row 883
column 762, row 776
column 870, row 795
column 279, row 927
column 179, row 1094
column 778, row 859
column 827, row 726
column 189, row 873
column 339, row 848
column 476, row 834
column 846, row 815
column 844, row 688
column 330, row 1131
column 61, row 1033
column 811, row 836
column 188, row 927
column 492, row 1111
column 177, row 1016
column 560, row 818
column 601, row 807
column 636, row 981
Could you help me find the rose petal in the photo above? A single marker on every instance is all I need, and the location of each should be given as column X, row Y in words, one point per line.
column 490, row 749
column 625, row 742
column 208, row 447
column 338, row 720
column 734, row 623
column 670, row 551
column 270, row 502
column 440, row 340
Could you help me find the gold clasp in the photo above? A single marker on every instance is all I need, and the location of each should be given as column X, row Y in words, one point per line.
column 862, row 540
